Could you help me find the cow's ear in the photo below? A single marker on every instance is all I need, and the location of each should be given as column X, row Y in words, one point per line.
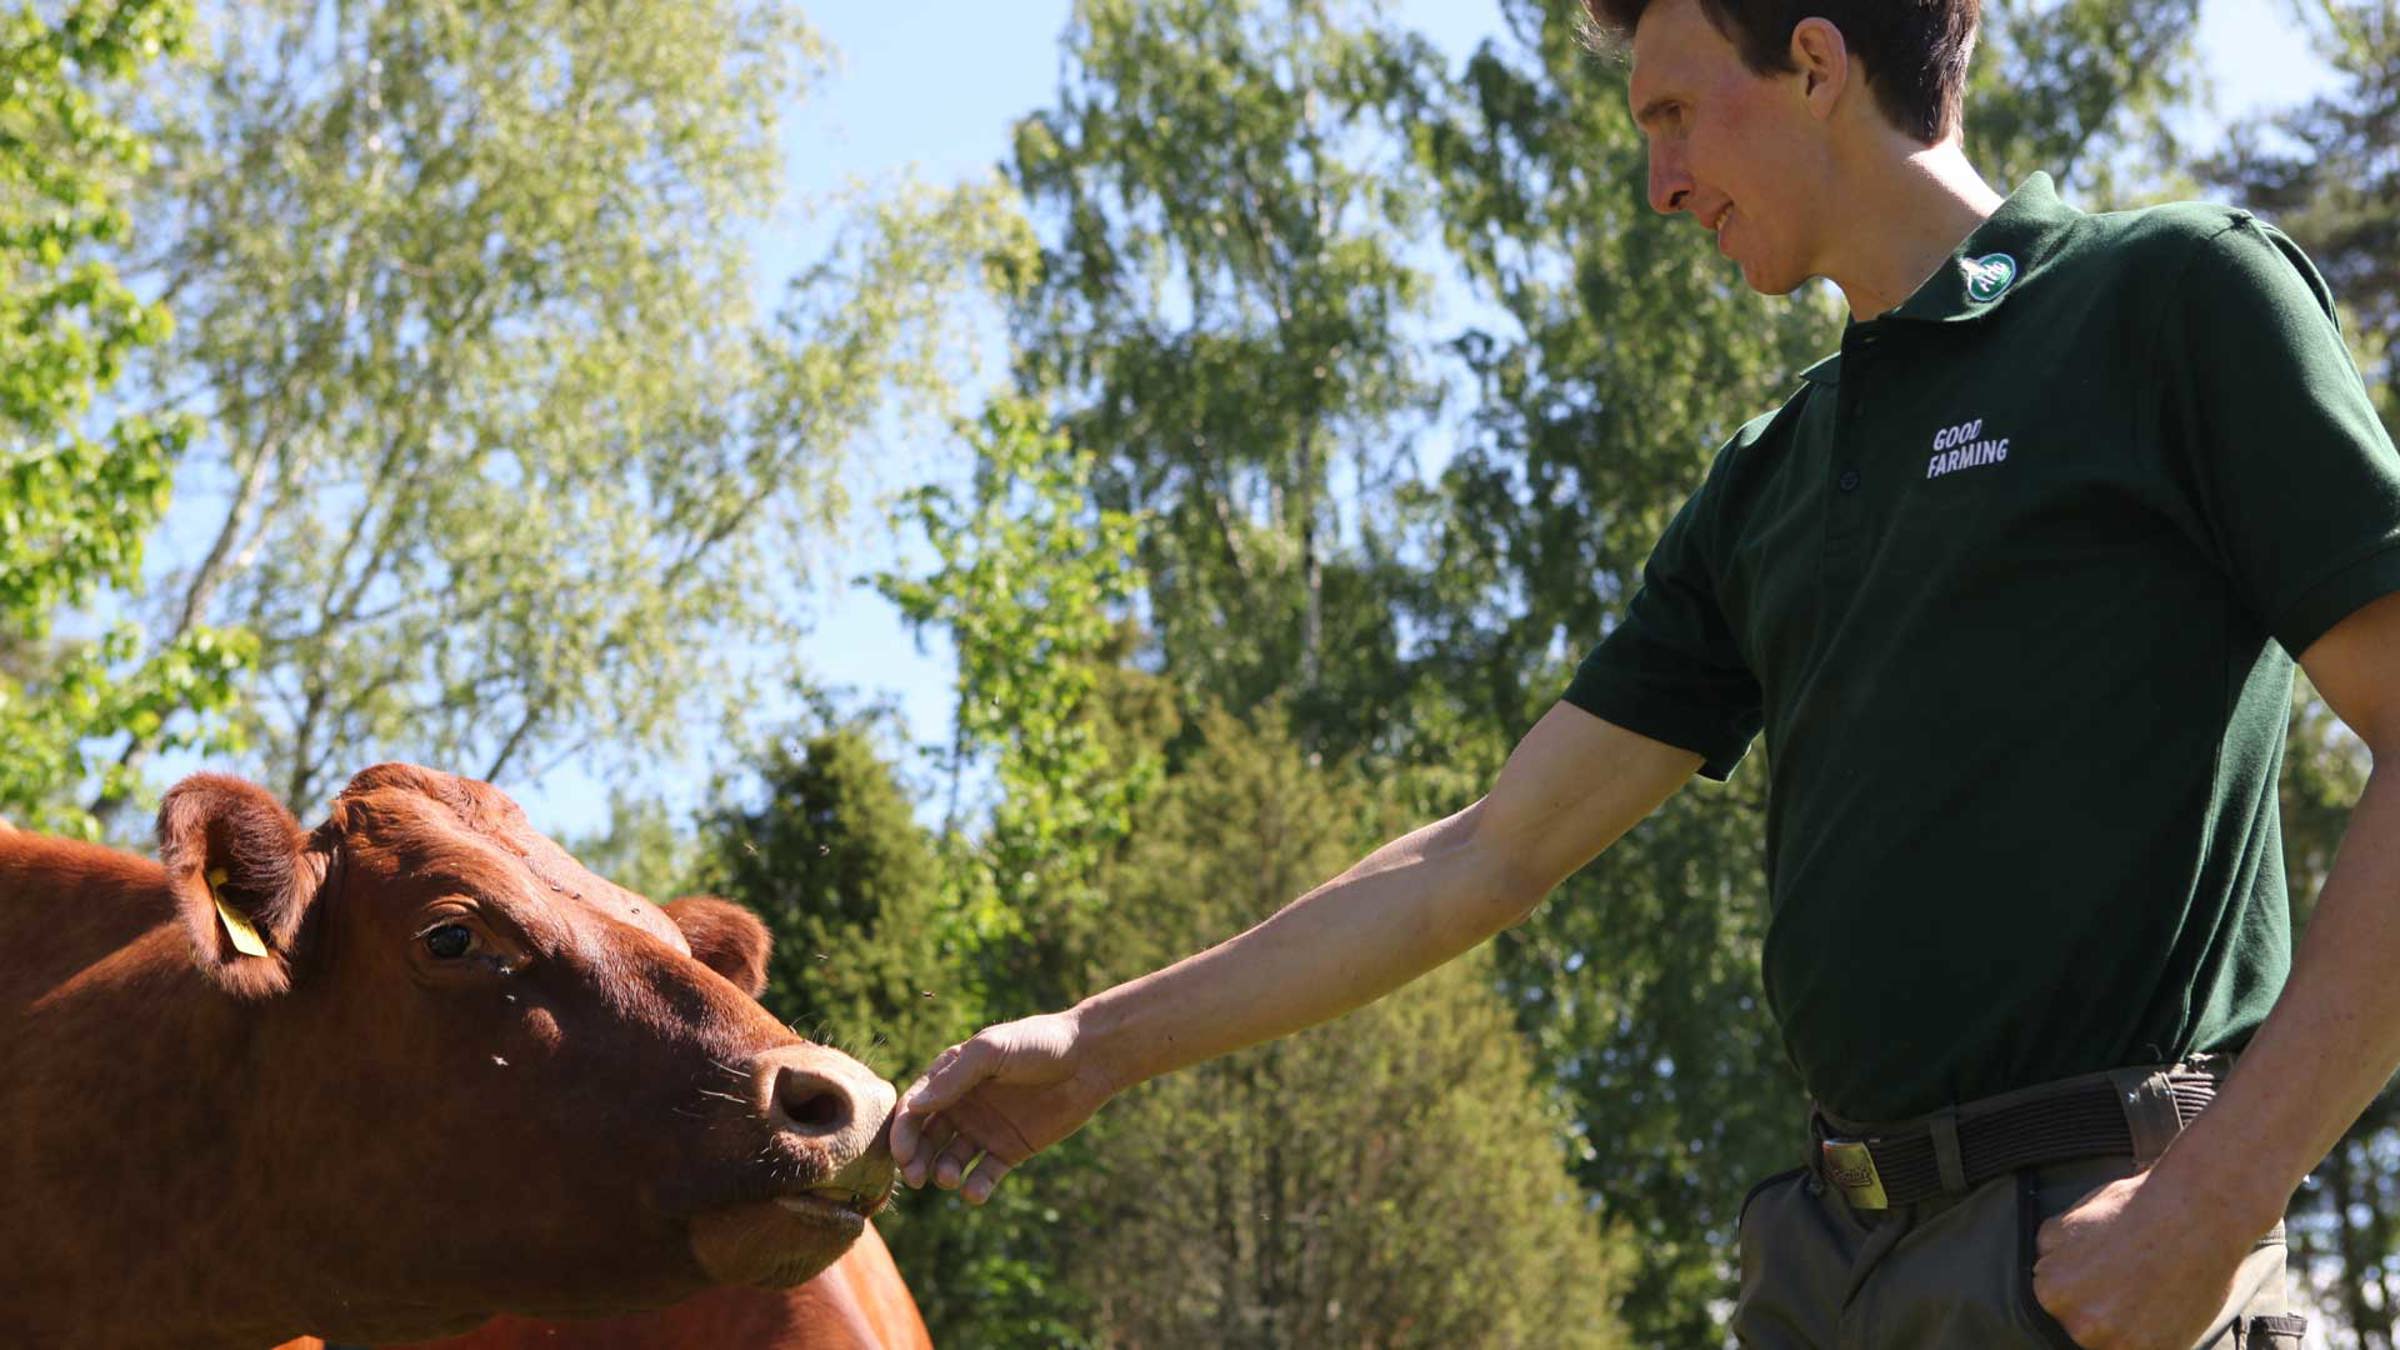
column 242, row 876
column 726, row 938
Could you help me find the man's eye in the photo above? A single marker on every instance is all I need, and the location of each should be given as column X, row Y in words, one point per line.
column 449, row 942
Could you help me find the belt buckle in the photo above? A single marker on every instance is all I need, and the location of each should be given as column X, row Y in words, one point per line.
column 1850, row 1168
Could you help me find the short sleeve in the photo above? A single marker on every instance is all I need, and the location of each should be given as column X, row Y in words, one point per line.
column 1671, row 670
column 2298, row 484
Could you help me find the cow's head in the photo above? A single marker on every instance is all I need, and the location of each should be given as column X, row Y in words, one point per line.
column 481, row 1078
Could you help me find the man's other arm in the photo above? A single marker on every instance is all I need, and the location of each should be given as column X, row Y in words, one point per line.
column 1571, row 788
column 2144, row 1261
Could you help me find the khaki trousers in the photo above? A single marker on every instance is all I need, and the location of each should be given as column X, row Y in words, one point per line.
column 1952, row 1273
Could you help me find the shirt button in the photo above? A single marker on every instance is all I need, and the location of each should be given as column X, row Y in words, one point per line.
column 1848, row 481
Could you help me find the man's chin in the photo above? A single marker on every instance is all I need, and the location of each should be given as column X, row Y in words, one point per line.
column 1769, row 280
column 772, row 1244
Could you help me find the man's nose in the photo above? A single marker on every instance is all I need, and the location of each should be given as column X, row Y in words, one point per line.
column 1670, row 186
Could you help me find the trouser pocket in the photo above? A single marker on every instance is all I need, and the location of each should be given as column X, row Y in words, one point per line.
column 2240, row 1324
column 1794, row 1251
column 2029, row 1231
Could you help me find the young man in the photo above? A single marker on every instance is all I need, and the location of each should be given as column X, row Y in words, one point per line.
column 2014, row 585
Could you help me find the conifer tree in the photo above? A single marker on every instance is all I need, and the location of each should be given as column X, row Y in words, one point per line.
column 1395, row 1178
column 833, row 859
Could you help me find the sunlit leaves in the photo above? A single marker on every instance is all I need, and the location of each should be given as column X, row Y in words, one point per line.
column 78, row 502
column 1225, row 313
column 1030, row 584
column 514, row 469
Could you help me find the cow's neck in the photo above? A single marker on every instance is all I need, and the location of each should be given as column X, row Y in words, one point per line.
column 130, row 1090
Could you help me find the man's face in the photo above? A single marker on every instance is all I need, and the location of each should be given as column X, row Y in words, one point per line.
column 1738, row 151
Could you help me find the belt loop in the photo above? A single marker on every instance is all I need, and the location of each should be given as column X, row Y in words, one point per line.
column 2148, row 1099
column 1943, row 1126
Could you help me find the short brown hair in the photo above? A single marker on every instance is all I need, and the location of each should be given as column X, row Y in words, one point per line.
column 1915, row 51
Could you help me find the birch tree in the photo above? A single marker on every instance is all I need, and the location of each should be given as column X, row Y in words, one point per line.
column 505, row 466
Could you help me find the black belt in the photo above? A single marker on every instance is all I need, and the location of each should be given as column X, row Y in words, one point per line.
column 2129, row 1113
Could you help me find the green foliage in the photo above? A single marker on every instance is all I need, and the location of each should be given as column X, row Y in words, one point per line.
column 1063, row 892
column 991, row 1277
column 1396, row 1178
column 1225, row 310
column 75, row 507
column 644, row 848
column 835, row 862
column 1632, row 352
column 513, row 470
column 1029, row 584
column 2063, row 85
column 1030, row 581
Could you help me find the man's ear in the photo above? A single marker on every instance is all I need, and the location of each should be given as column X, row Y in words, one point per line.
column 726, row 937
column 1822, row 56
column 243, row 878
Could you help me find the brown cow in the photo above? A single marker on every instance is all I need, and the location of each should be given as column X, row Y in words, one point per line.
column 385, row 1078
column 859, row 1303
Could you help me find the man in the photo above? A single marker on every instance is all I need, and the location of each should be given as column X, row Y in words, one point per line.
column 2014, row 585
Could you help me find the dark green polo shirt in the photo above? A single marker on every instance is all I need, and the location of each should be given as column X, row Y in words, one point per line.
column 2013, row 585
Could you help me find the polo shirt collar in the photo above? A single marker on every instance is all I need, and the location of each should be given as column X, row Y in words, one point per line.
column 1999, row 260
column 2003, row 258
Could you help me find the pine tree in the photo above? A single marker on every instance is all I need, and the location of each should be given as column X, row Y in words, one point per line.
column 833, row 859
column 1395, row 1178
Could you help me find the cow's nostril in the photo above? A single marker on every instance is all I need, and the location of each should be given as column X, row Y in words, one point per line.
column 818, row 1111
column 814, row 1105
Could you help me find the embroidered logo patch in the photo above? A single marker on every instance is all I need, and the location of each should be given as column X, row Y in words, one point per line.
column 1988, row 278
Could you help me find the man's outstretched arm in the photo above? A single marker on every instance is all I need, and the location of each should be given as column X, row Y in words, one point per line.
column 1570, row 789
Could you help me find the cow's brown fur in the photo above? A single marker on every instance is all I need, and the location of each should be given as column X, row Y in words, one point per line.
column 352, row 1137
column 859, row 1303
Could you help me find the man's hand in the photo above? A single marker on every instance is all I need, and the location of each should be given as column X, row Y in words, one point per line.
column 1012, row 1091
column 2134, row 1266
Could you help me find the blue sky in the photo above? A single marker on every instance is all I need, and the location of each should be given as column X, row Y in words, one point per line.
column 931, row 91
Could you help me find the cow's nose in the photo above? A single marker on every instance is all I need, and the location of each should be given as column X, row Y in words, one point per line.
column 812, row 1103
column 827, row 1097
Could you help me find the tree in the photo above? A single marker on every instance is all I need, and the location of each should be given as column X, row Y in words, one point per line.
column 2076, row 87
column 508, row 465
column 831, row 856
column 1224, row 310
column 644, row 847
column 1031, row 582
column 1396, row 1178
column 78, row 504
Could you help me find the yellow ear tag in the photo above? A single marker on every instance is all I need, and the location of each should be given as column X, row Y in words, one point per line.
column 245, row 938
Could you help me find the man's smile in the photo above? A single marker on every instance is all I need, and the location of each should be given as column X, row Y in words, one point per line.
column 1715, row 221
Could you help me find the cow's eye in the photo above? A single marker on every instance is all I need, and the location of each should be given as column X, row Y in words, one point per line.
column 449, row 942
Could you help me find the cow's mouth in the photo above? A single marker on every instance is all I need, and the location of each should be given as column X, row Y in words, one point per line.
column 778, row 1242
column 834, row 1206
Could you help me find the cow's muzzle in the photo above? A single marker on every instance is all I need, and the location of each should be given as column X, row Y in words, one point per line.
column 823, row 1103
column 826, row 1165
